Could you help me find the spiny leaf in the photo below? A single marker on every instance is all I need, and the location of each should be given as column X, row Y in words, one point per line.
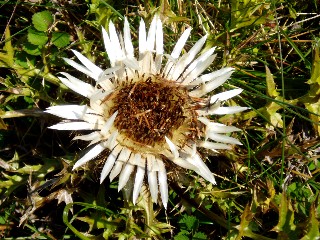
column 313, row 226
column 246, row 13
column 8, row 57
column 270, row 113
column 3, row 126
column 13, row 182
column 97, row 222
column 286, row 227
column 271, row 86
column 246, row 218
column 247, row 226
column 261, row 199
column 315, row 73
column 42, row 20
column 162, row 227
column 311, row 100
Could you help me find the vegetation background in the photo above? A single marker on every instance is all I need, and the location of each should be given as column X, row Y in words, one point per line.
column 268, row 188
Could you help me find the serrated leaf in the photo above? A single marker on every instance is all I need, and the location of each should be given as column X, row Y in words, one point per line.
column 315, row 73
column 60, row 39
column 96, row 223
column 13, row 182
column 42, row 20
column 6, row 59
column 31, row 49
column 191, row 222
column 29, row 168
column 37, row 38
column 181, row 237
column 311, row 101
column 163, row 227
column 199, row 236
column 3, row 126
column 273, row 118
column 271, row 86
column 8, row 44
column 286, row 227
column 246, row 218
column 312, row 231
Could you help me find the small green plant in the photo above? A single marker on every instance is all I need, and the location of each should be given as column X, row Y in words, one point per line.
column 189, row 229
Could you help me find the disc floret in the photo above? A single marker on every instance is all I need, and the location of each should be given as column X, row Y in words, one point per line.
column 152, row 108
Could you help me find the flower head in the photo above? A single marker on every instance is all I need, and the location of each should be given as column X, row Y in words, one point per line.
column 146, row 112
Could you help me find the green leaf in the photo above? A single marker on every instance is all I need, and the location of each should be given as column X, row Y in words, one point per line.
column 311, row 101
column 181, row 237
column 3, row 126
column 271, row 86
column 199, row 236
column 292, row 187
column 34, row 50
column 13, row 182
column 270, row 113
column 37, row 38
column 98, row 222
column 56, row 55
column 191, row 222
column 60, row 39
column 246, row 218
column 42, row 20
column 313, row 226
column 311, row 166
column 286, row 227
column 315, row 73
column 6, row 59
column 68, row 223
column 22, row 58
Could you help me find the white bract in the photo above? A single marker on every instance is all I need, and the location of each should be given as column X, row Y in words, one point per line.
column 148, row 110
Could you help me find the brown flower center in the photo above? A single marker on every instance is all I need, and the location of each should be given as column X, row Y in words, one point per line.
column 150, row 109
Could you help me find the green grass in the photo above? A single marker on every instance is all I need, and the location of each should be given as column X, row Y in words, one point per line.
column 266, row 189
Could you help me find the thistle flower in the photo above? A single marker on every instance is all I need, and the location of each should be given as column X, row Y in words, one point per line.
column 149, row 110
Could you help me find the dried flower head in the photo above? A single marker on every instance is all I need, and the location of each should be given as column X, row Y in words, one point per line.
column 144, row 111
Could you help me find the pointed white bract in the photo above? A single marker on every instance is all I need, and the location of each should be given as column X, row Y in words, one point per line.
column 142, row 37
column 134, row 163
column 92, row 153
column 75, row 126
column 163, row 184
column 152, row 167
column 95, row 70
column 173, row 148
column 109, row 163
column 140, row 173
column 109, row 48
column 105, row 129
column 68, row 111
column 127, row 39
